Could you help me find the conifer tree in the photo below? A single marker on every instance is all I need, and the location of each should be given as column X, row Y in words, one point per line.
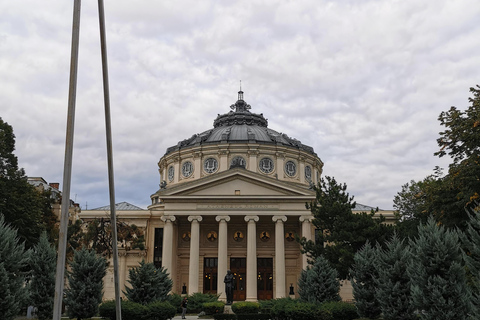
column 149, row 284
column 85, row 284
column 364, row 273
column 13, row 258
column 471, row 243
column 42, row 287
column 437, row 274
column 319, row 283
column 393, row 283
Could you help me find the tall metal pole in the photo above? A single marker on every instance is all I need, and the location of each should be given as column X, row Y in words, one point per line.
column 108, row 126
column 67, row 169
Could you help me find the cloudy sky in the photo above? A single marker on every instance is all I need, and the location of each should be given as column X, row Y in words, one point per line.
column 362, row 82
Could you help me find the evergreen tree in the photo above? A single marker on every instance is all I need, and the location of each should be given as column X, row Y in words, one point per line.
column 437, row 274
column 319, row 283
column 345, row 232
column 364, row 273
column 471, row 244
column 13, row 259
column 393, row 284
column 42, row 287
column 85, row 284
column 149, row 284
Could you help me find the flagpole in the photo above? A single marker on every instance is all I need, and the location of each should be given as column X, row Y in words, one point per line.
column 67, row 169
column 108, row 127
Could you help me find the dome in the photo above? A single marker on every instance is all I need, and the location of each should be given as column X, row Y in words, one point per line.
column 238, row 126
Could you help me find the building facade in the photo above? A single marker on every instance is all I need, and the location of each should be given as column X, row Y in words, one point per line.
column 230, row 198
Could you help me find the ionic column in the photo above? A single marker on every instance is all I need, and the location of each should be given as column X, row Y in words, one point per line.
column 307, row 233
column 167, row 255
column 193, row 273
column 222, row 255
column 251, row 258
column 280, row 289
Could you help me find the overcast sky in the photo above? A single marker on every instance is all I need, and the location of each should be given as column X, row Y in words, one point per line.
column 362, row 82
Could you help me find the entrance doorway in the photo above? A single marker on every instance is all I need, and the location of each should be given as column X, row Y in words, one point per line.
column 238, row 266
column 265, row 278
column 210, row 271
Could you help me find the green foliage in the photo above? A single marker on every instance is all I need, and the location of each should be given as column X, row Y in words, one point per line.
column 85, row 284
column 107, row 310
column 437, row 274
column 340, row 310
column 99, row 236
column 223, row 316
column 364, row 273
column 319, row 283
column 13, row 259
column 42, row 287
column 393, row 283
column 448, row 198
column 344, row 231
column 471, row 244
column 286, row 309
column 148, row 283
column 160, row 310
column 246, row 307
column 133, row 311
column 196, row 301
column 175, row 300
column 20, row 203
column 213, row 307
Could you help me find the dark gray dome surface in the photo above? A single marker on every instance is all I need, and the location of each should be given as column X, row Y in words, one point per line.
column 240, row 126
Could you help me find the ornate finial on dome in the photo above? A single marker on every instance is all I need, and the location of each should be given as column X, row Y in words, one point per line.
column 240, row 93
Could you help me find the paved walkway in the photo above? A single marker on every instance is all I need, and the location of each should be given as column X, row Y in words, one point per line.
column 189, row 317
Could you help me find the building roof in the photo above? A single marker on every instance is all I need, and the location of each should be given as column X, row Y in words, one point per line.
column 240, row 125
column 122, row 206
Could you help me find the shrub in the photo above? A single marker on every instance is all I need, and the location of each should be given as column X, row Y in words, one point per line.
column 107, row 310
column 266, row 306
column 224, row 316
column 175, row 300
column 340, row 310
column 319, row 283
column 130, row 310
column 213, row 307
column 196, row 300
column 160, row 310
column 246, row 307
column 279, row 307
column 257, row 316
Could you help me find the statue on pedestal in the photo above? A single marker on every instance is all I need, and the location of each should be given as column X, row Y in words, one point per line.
column 229, row 286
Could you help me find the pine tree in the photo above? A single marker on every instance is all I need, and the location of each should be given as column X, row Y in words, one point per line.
column 13, row 258
column 437, row 274
column 85, row 284
column 149, row 284
column 471, row 243
column 319, row 283
column 393, row 284
column 42, row 287
column 364, row 273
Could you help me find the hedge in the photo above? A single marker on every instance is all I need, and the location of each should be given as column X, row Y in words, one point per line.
column 136, row 311
column 246, row 307
column 340, row 310
column 213, row 307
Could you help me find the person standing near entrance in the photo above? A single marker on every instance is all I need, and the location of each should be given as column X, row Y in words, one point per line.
column 184, row 307
column 229, row 286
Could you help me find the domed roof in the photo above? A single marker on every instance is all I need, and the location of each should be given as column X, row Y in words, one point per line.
column 240, row 126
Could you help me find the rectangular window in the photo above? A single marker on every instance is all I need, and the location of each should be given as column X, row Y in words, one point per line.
column 158, row 247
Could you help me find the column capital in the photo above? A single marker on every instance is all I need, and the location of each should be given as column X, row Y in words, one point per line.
column 168, row 218
column 254, row 218
column 308, row 218
column 279, row 218
column 220, row 218
column 198, row 218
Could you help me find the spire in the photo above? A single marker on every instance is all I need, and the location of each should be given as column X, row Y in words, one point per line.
column 240, row 93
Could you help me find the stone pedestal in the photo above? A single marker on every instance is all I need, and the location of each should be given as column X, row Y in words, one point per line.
column 228, row 310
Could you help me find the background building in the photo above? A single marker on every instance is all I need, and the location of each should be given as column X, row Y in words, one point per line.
column 232, row 197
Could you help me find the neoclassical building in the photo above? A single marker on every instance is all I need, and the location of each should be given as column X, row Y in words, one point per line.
column 232, row 197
